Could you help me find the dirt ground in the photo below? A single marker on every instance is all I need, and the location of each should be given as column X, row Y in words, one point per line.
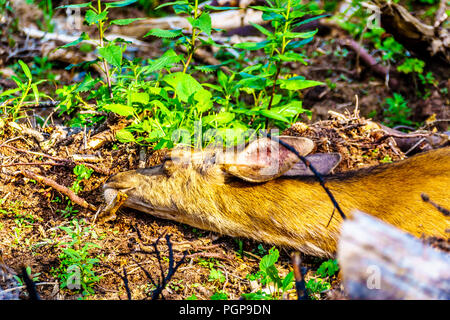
column 32, row 213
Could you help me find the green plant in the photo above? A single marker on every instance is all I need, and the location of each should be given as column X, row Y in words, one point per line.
column 386, row 159
column 316, row 286
column 397, row 111
column 411, row 65
column 109, row 52
column 76, row 264
column 34, row 277
column 263, row 80
column 82, row 173
column 15, row 103
column 428, row 78
column 68, row 211
column 216, row 275
column 42, row 68
column 268, row 276
column 328, row 268
column 219, row 295
column 47, row 9
column 321, row 282
column 167, row 106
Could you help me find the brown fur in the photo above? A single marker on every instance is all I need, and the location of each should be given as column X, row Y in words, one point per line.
column 292, row 211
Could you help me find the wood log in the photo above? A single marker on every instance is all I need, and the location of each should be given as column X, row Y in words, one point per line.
column 225, row 20
column 378, row 261
column 415, row 35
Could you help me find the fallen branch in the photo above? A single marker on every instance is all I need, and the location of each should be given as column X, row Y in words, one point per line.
column 415, row 35
column 378, row 261
column 370, row 61
column 32, row 164
column 299, row 275
column 63, row 161
column 407, row 142
column 225, row 20
column 62, row 189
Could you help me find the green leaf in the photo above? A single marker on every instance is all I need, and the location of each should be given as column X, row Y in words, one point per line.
column 35, row 92
column 219, row 296
column 252, row 45
column 123, row 22
column 220, row 8
column 91, row 17
column 169, row 58
column 252, row 82
column 301, row 13
column 269, row 16
column 10, row 91
column 211, row 68
column 171, row 4
column 79, row 5
column 120, row 109
column 267, row 9
column 118, row 4
column 87, row 84
column 328, row 268
column 298, row 84
column 310, row 19
column 290, row 110
column 25, row 69
column 219, row 119
column 183, row 84
column 112, row 54
column 292, row 56
column 262, row 29
column 269, row 259
column 297, row 44
column 213, row 86
column 139, row 97
column 203, row 23
column 17, row 81
column 273, row 115
column 125, row 136
column 288, row 281
column 160, row 33
column 203, row 98
column 84, row 64
column 258, row 67
column 272, row 272
column 82, row 37
column 411, row 65
column 302, row 35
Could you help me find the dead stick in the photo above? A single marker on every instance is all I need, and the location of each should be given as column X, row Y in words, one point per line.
column 32, row 164
column 403, row 136
column 34, row 153
column 300, row 284
column 67, row 162
column 64, row 190
column 369, row 60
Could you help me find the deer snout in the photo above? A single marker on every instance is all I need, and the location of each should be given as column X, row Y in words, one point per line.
column 120, row 182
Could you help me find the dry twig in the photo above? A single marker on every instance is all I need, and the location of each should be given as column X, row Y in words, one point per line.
column 64, row 190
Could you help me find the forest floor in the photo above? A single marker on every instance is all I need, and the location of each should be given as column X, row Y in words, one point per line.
column 37, row 224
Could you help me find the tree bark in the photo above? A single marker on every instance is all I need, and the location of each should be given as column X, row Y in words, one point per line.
column 378, row 261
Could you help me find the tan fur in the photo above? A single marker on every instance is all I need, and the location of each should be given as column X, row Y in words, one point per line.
column 289, row 211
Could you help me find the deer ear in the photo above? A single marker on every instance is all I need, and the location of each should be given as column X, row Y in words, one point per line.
column 324, row 163
column 264, row 159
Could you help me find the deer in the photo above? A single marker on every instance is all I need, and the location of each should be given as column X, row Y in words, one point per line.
column 264, row 192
